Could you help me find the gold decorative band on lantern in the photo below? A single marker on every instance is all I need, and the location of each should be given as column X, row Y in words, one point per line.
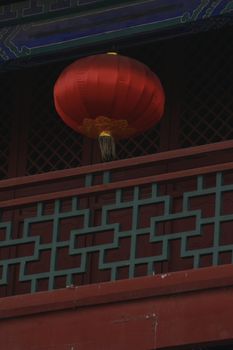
column 117, row 128
column 105, row 133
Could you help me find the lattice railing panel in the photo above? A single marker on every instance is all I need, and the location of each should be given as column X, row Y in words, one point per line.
column 135, row 232
column 51, row 144
column 207, row 105
column 6, row 98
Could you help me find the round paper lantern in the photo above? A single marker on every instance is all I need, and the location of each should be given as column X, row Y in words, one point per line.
column 109, row 96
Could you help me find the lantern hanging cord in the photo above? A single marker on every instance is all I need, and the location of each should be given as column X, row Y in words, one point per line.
column 107, row 146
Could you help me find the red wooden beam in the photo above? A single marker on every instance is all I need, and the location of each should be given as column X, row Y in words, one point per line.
column 119, row 164
column 22, row 201
column 158, row 312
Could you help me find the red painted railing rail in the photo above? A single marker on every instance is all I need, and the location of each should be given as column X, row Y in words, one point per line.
column 92, row 190
column 161, row 167
column 179, row 154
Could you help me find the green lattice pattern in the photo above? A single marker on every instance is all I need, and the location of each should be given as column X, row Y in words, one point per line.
column 134, row 231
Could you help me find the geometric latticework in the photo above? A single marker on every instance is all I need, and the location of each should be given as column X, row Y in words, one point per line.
column 146, row 143
column 138, row 231
column 51, row 144
column 5, row 123
column 207, row 103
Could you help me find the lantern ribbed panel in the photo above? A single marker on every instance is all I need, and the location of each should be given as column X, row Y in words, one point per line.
column 111, row 86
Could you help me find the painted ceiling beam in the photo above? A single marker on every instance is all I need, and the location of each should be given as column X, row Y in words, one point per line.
column 38, row 28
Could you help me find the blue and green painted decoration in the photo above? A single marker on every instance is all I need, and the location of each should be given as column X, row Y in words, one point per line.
column 34, row 28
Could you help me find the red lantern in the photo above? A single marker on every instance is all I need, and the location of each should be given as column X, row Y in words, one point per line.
column 109, row 96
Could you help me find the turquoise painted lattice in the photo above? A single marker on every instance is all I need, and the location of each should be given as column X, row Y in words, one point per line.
column 134, row 231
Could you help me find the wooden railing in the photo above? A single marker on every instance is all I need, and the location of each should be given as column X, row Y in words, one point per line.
column 147, row 215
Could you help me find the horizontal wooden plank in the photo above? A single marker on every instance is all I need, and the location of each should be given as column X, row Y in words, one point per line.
column 119, row 164
column 122, row 290
column 132, row 314
column 22, row 201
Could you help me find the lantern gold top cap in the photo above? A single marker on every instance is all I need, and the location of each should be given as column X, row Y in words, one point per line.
column 111, row 53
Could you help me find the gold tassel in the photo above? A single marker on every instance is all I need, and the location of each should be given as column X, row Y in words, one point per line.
column 107, row 146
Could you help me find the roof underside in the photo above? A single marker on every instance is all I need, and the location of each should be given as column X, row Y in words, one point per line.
column 32, row 32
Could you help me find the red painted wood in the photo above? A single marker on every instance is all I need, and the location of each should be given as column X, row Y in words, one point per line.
column 205, row 150
column 194, row 280
column 117, row 185
column 177, row 309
